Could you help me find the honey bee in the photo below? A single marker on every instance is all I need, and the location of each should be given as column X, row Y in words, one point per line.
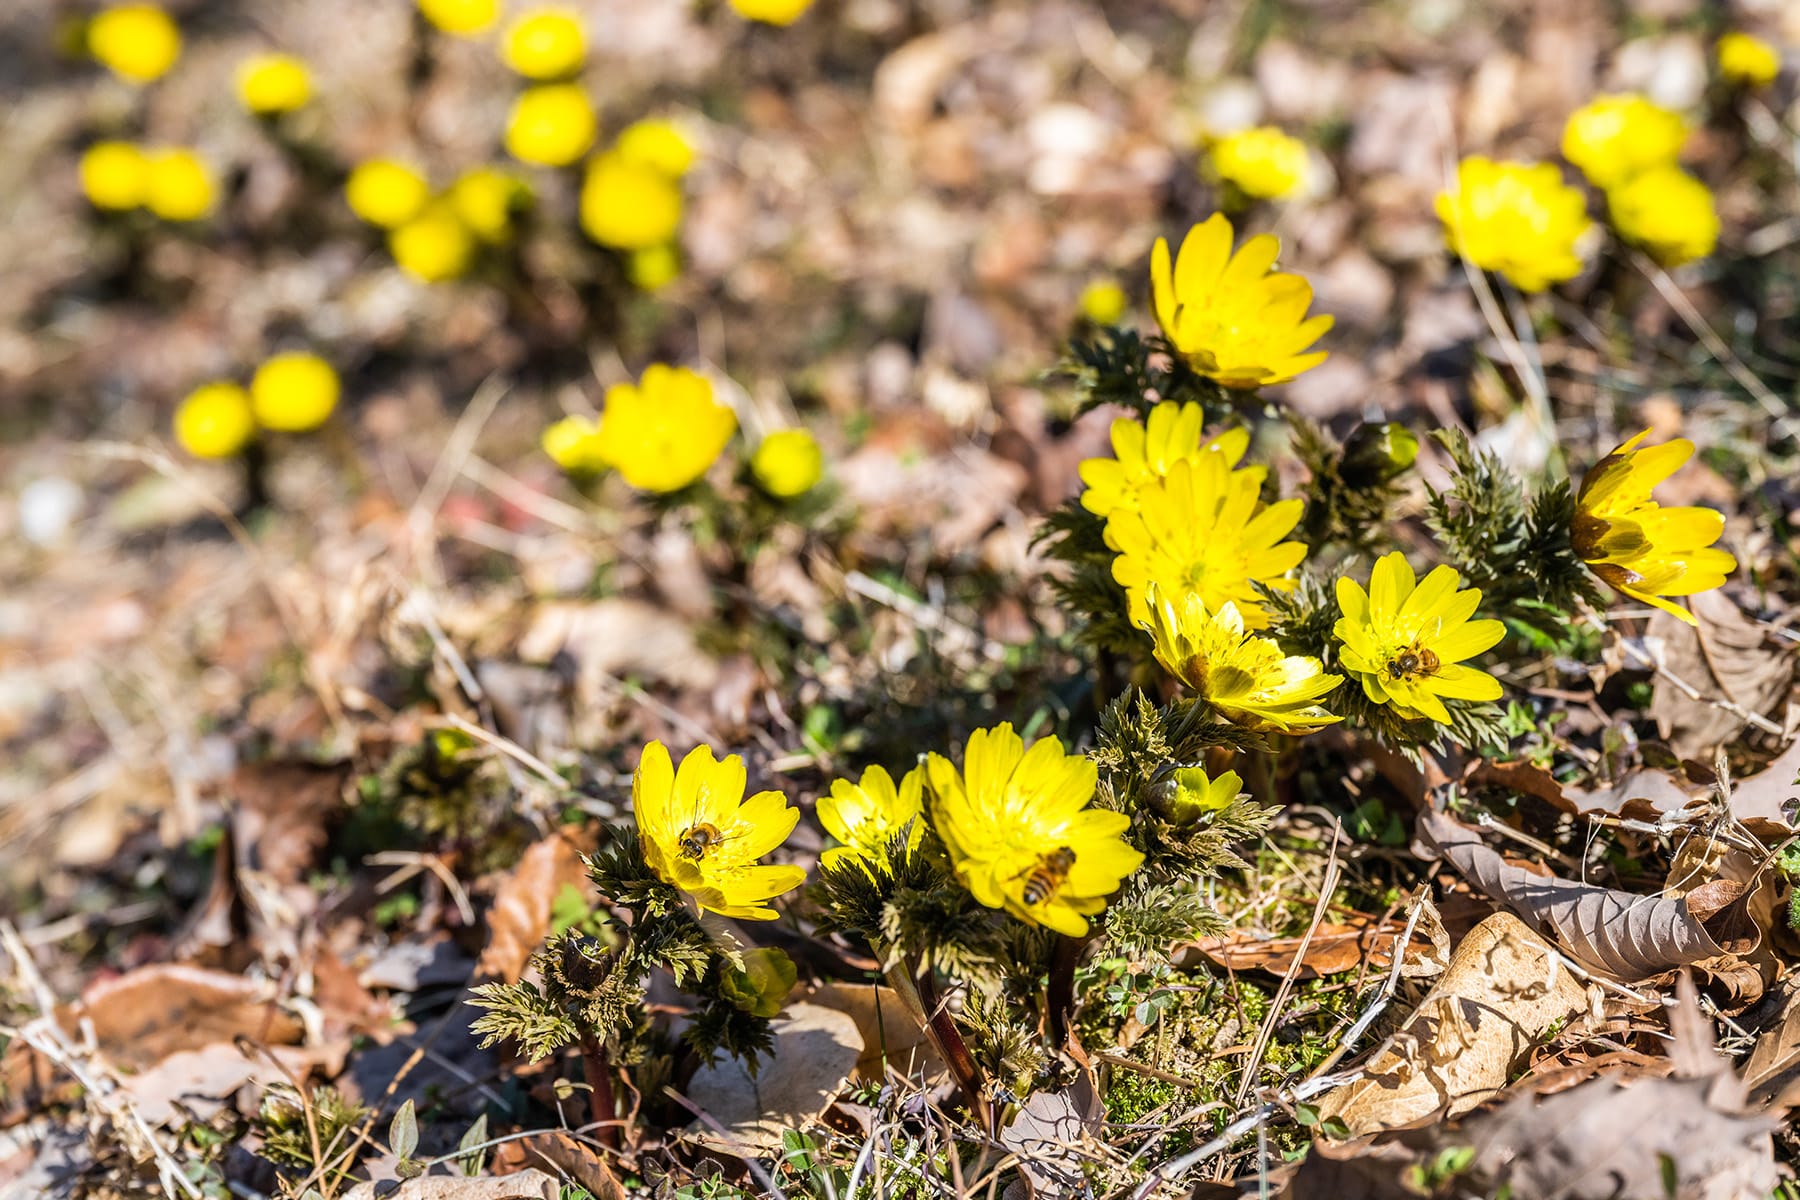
column 1050, row 873
column 699, row 839
column 1411, row 662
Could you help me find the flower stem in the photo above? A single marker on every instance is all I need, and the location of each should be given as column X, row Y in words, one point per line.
column 918, row 992
column 1060, row 995
column 603, row 1110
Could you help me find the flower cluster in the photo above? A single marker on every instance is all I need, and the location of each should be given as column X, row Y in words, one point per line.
column 1517, row 219
column 660, row 434
column 292, row 392
column 1628, row 147
column 435, row 238
column 170, row 182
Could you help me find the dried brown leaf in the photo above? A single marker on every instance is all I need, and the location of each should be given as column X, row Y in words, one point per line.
column 1645, row 794
column 569, row 1157
column 1726, row 656
column 1766, row 802
column 1335, row 947
column 816, row 1049
column 283, row 814
column 519, row 920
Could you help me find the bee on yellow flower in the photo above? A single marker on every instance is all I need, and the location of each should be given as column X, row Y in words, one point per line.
column 1642, row 549
column 699, row 833
column 551, row 124
column 788, row 463
column 1020, row 834
column 1143, row 452
column 1103, row 302
column 1245, row 678
column 1262, row 163
column 573, row 444
column 386, row 192
column 1745, row 60
column 656, row 143
column 865, row 816
column 1668, row 212
column 627, row 205
column 1233, row 317
column 772, row 12
column 1204, row 529
column 136, row 42
column 215, row 421
column 178, row 185
column 434, row 246
column 545, row 43
column 461, row 18
column 1518, row 219
column 664, row 431
column 114, row 175
column 273, row 83
column 1612, row 138
column 293, row 392
column 1405, row 639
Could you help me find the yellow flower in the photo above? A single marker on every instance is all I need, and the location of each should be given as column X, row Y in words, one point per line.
column 138, row 42
column 114, row 175
column 1246, row 678
column 1747, row 60
column 1020, row 834
column 1668, row 212
column 1405, row 639
column 1612, row 138
column 215, row 421
column 653, row 267
column 462, row 18
column 1639, row 547
column 1203, row 529
column 788, row 463
column 1233, row 316
column 762, row 985
column 1103, row 302
column 434, row 246
column 700, row 834
column 1186, row 794
column 866, row 815
column 629, row 206
column 552, row 125
column 772, row 12
column 657, row 143
column 386, row 192
column 1519, row 219
column 664, row 431
column 273, row 83
column 573, row 444
column 293, row 392
column 178, row 186
column 1263, row 163
column 485, row 199
column 545, row 43
column 1143, row 452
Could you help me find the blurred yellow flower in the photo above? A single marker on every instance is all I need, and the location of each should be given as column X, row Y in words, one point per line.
column 552, row 125
column 485, row 199
column 273, row 83
column 772, row 12
column 178, row 185
column 653, row 267
column 1203, row 529
column 1245, row 678
column 1103, row 302
column 215, row 421
column 1143, row 452
column 114, row 175
column 1020, row 834
column 434, row 246
column 293, row 392
column 1748, row 61
column 1642, row 549
column 1612, row 138
column 386, row 192
column 664, row 431
column 1668, row 212
column 573, row 444
column 761, row 986
column 138, row 42
column 1262, row 163
column 788, row 463
column 545, row 43
column 628, row 206
column 1233, row 316
column 1405, row 639
column 699, row 834
column 866, row 815
column 657, row 143
column 462, row 18
column 1519, row 219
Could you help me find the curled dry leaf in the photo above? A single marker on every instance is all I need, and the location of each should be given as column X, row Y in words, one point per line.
column 1724, row 656
column 283, row 814
column 1645, row 794
column 1460, row 1047
column 1336, row 947
column 1627, row 936
column 568, row 1156
column 519, row 920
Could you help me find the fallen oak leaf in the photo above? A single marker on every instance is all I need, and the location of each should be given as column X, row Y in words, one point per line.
column 519, row 919
column 1766, row 802
column 1622, row 934
column 1646, row 794
column 1725, row 656
column 1335, row 947
column 567, row 1155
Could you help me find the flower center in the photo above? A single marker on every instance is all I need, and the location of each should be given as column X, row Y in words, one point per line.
column 1049, row 874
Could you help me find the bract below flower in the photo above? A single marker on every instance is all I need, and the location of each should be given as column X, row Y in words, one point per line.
column 664, row 431
column 866, row 815
column 699, row 833
column 1518, row 219
column 1405, row 639
column 1245, row 678
column 1020, row 834
column 1143, row 452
